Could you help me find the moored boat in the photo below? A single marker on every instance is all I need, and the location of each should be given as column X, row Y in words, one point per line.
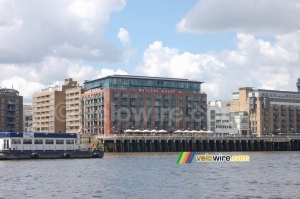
column 14, row 145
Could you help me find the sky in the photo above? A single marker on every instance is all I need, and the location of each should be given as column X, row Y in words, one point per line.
column 226, row 44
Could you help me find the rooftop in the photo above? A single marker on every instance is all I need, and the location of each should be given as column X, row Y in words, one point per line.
column 146, row 77
column 9, row 91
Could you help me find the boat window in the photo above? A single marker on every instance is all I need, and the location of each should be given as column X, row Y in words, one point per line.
column 38, row 141
column 49, row 142
column 60, row 142
column 27, row 141
column 70, row 141
column 15, row 141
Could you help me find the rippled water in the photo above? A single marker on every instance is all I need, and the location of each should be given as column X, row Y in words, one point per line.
column 152, row 175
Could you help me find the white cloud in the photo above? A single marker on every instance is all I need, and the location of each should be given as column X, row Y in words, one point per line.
column 45, row 42
column 124, row 38
column 123, row 35
column 25, row 87
column 73, row 29
column 30, row 78
column 255, row 16
column 255, row 63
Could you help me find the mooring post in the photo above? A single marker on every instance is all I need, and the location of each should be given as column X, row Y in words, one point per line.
column 130, row 145
column 174, row 146
column 138, row 147
column 247, row 145
column 194, row 146
column 122, row 145
column 201, row 145
column 207, row 144
column 215, row 145
column 180, row 145
column 145, row 145
column 234, row 145
column 221, row 144
column 115, row 146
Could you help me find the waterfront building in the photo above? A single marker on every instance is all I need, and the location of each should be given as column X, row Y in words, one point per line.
column 218, row 118
column 115, row 103
column 240, row 121
column 270, row 111
column 73, row 109
column 11, row 110
column 27, row 118
column 222, row 122
column 49, row 108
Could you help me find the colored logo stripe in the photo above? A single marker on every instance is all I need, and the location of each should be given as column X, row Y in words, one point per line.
column 179, row 157
column 185, row 157
column 190, row 158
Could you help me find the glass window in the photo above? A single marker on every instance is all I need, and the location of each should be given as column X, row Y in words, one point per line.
column 15, row 141
column 70, row 142
column 27, row 141
column 60, row 142
column 49, row 142
column 38, row 141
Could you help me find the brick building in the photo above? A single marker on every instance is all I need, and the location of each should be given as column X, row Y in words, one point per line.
column 115, row 103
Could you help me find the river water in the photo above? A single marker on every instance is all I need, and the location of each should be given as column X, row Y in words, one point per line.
column 153, row 175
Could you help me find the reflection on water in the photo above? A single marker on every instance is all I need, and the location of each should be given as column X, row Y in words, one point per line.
column 153, row 175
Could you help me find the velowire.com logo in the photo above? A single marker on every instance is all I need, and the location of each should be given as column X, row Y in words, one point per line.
column 188, row 157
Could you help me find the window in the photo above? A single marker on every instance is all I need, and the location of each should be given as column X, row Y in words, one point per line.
column 27, row 141
column 49, row 142
column 38, row 142
column 15, row 141
column 60, row 142
column 69, row 141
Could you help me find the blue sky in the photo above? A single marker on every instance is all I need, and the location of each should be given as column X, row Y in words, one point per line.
column 149, row 21
column 226, row 44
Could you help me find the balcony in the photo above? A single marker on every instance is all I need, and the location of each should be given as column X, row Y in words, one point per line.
column 124, row 95
column 116, row 95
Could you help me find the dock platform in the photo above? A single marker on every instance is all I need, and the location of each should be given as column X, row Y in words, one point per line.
column 172, row 143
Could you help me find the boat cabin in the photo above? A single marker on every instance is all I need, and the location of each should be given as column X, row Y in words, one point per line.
column 38, row 141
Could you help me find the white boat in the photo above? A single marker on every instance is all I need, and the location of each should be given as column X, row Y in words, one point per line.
column 14, row 145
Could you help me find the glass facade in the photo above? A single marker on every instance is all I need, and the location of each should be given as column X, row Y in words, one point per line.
column 136, row 82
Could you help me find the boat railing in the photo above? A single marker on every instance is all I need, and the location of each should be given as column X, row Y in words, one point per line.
column 83, row 147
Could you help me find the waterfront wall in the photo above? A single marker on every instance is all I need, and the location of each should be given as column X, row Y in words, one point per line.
column 212, row 144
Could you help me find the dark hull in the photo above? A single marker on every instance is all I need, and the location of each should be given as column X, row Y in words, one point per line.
column 18, row 155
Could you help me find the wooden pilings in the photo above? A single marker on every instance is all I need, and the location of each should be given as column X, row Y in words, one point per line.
column 177, row 144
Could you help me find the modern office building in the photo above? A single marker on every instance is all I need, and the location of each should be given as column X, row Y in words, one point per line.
column 115, row 103
column 298, row 84
column 27, row 118
column 270, row 111
column 11, row 110
column 222, row 122
column 49, row 108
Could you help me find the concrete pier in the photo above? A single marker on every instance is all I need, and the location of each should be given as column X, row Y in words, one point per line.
column 168, row 143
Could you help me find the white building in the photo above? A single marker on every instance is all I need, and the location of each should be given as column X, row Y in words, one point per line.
column 241, row 122
column 27, row 118
column 222, row 122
